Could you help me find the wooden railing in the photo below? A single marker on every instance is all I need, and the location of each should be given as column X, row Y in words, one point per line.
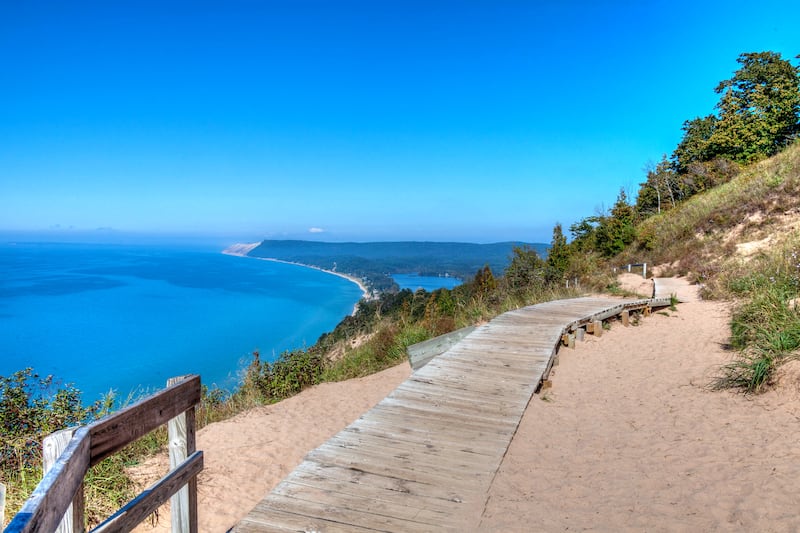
column 57, row 502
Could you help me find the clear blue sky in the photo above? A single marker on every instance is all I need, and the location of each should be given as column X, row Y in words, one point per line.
column 242, row 120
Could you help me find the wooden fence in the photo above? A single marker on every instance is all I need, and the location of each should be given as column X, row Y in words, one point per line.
column 57, row 502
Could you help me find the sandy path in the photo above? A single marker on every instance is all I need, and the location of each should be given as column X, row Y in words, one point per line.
column 630, row 439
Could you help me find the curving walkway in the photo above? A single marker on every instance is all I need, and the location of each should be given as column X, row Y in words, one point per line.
column 423, row 458
column 680, row 287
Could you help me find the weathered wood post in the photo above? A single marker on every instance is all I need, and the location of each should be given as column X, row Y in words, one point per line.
column 53, row 446
column 2, row 505
column 644, row 270
column 625, row 315
column 181, row 433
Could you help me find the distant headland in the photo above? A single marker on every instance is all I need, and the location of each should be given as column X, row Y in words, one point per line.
column 373, row 263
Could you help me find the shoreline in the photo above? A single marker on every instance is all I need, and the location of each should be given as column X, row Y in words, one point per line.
column 242, row 250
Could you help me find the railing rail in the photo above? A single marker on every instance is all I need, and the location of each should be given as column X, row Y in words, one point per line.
column 62, row 484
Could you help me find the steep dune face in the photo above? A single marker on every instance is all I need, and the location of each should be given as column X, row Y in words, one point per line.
column 756, row 211
column 240, row 249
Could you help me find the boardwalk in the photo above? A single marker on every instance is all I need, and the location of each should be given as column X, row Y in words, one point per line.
column 424, row 458
column 678, row 287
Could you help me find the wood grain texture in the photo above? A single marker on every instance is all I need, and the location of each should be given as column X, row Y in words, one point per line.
column 153, row 497
column 111, row 434
column 46, row 507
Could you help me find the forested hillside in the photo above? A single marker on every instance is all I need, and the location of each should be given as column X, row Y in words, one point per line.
column 375, row 262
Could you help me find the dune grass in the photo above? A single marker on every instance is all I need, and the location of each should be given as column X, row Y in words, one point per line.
column 765, row 324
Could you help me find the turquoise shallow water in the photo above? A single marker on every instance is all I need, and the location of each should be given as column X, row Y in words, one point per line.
column 429, row 283
column 129, row 317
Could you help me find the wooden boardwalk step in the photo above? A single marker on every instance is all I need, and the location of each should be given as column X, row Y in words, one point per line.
column 423, row 458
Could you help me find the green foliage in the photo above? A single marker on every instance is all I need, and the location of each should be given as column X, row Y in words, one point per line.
column 659, row 191
column 385, row 349
column 765, row 326
column 695, row 144
column 558, row 256
column 758, row 110
column 484, row 282
column 290, row 374
column 617, row 230
column 32, row 407
column 584, row 234
column 526, row 270
column 758, row 115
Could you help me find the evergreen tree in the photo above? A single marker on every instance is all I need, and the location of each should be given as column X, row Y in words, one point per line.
column 558, row 256
column 616, row 230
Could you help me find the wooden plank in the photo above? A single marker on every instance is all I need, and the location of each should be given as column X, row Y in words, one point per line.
column 408, row 460
column 442, row 496
column 477, row 369
column 445, row 392
column 443, row 382
column 408, row 427
column 153, row 497
column 53, row 495
column 451, row 414
column 2, row 504
column 181, row 435
column 111, row 434
column 314, row 512
column 399, row 425
column 378, row 465
column 430, row 452
column 264, row 519
column 53, row 446
column 402, row 507
column 435, row 441
column 471, row 407
column 421, row 353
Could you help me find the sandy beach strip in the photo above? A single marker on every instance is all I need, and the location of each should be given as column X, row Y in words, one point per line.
column 242, row 250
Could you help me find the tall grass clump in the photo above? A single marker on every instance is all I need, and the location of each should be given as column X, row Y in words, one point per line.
column 765, row 324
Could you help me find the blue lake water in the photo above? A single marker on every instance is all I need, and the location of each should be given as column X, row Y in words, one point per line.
column 429, row 283
column 129, row 317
